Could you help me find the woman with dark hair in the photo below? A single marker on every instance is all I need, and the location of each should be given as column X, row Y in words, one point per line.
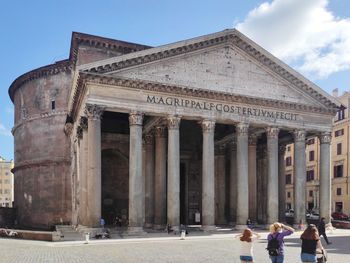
column 310, row 241
column 247, row 238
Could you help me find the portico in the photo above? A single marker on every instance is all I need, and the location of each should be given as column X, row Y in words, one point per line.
column 200, row 125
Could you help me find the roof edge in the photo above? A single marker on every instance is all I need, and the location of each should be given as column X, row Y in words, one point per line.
column 50, row 69
column 67, row 64
column 98, row 41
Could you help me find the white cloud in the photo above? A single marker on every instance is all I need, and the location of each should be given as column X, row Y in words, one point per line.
column 303, row 33
column 4, row 131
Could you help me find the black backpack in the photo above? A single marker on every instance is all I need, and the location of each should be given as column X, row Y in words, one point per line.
column 273, row 246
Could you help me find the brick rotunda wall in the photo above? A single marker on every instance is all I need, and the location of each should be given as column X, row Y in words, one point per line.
column 42, row 161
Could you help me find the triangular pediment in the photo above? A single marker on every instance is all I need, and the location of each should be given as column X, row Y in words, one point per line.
column 224, row 62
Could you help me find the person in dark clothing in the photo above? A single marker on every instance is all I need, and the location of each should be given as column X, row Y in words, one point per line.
column 310, row 242
column 322, row 230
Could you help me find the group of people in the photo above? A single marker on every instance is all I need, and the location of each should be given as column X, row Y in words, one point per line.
column 310, row 242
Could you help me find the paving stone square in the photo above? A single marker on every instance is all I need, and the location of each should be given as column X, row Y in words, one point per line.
column 159, row 249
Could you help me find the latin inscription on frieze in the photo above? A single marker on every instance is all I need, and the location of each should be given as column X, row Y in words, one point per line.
column 221, row 107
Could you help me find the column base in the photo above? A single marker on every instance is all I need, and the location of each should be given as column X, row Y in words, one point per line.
column 135, row 231
column 209, row 228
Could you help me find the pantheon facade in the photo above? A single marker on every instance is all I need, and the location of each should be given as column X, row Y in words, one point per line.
column 192, row 132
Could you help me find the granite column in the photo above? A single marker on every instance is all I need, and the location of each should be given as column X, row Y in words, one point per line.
column 252, row 179
column 173, row 172
column 242, row 176
column 160, row 209
column 149, row 179
column 208, row 180
column 136, row 194
column 220, row 192
column 272, row 176
column 94, row 184
column 325, row 178
column 281, row 184
column 299, row 178
column 233, row 180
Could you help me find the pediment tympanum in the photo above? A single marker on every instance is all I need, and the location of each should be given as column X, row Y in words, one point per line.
column 222, row 69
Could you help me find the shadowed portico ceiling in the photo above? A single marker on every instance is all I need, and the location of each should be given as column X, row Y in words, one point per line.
column 102, row 70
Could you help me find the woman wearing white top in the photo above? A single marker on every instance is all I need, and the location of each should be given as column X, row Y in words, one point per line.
column 246, row 240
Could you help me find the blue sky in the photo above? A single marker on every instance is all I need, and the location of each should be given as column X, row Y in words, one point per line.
column 314, row 38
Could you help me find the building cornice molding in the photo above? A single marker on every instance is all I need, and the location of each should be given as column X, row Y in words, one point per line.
column 101, row 42
column 49, row 70
column 37, row 117
column 85, row 78
column 48, row 162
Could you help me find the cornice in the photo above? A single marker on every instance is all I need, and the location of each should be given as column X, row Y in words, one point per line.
column 231, row 37
column 53, row 69
column 85, row 78
column 38, row 117
column 101, row 42
column 154, row 55
column 48, row 162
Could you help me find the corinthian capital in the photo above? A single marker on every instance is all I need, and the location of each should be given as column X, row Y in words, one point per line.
column 242, row 129
column 83, row 123
column 79, row 132
column 252, row 139
column 160, row 131
column 135, row 118
column 299, row 135
column 220, row 149
column 148, row 139
column 173, row 122
column 208, row 125
column 272, row 132
column 93, row 111
column 282, row 149
column 325, row 137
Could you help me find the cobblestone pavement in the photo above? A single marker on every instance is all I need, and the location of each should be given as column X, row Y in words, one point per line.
column 211, row 248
